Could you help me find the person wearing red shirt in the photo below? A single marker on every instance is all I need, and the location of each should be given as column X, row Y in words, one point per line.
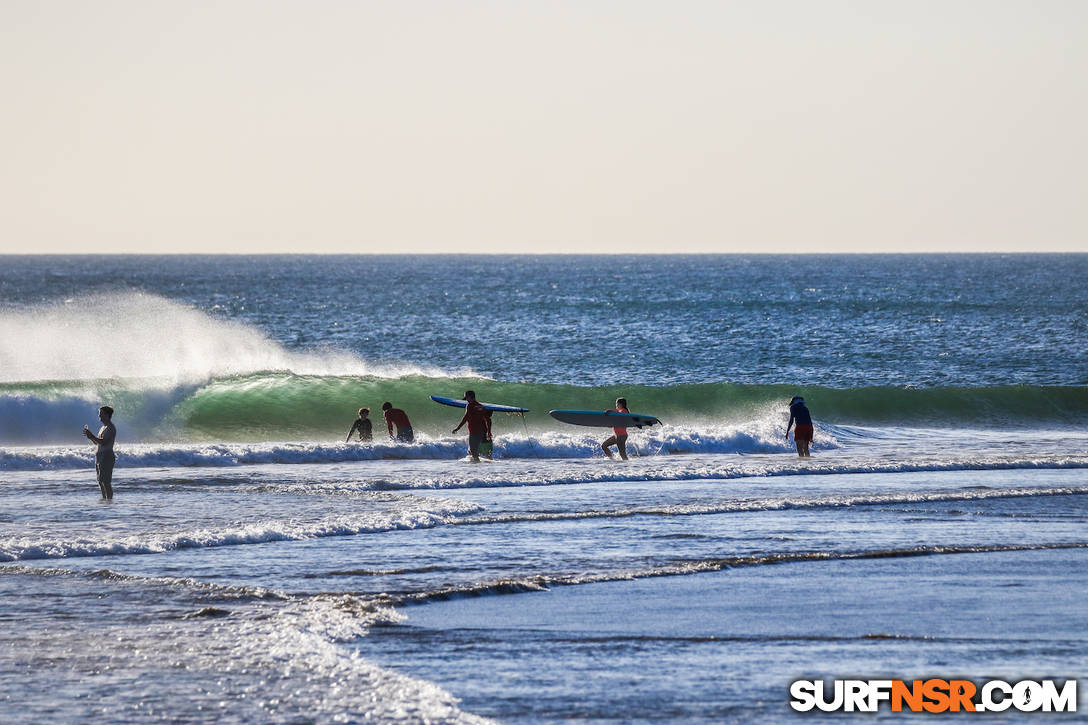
column 479, row 424
column 397, row 417
column 619, row 435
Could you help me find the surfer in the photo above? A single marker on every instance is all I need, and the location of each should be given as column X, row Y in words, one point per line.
column 397, row 417
column 802, row 434
column 104, row 457
column 479, row 425
column 619, row 435
column 363, row 425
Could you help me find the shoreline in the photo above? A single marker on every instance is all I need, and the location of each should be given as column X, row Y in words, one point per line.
column 742, row 635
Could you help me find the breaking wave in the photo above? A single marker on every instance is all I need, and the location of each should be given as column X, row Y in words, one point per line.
column 177, row 374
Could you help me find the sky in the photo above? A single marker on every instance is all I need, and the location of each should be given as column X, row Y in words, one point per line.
column 604, row 126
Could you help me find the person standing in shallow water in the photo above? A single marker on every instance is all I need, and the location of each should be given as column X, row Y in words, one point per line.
column 802, row 434
column 397, row 417
column 104, row 457
column 479, row 424
column 363, row 425
column 619, row 435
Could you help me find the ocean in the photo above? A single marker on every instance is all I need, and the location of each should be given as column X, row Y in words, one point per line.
column 255, row 567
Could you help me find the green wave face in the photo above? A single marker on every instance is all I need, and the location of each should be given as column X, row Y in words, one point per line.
column 286, row 406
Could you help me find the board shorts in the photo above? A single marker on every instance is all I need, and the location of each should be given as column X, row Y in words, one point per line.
column 103, row 473
column 475, row 442
column 803, row 433
column 103, row 468
column 405, row 435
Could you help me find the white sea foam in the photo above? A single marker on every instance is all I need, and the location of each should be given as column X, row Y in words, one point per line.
column 662, row 441
column 682, row 567
column 311, row 636
column 781, row 503
column 391, row 474
column 259, row 659
column 24, row 548
column 140, row 336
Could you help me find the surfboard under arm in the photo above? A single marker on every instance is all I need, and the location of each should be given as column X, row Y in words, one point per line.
column 604, row 419
column 487, row 406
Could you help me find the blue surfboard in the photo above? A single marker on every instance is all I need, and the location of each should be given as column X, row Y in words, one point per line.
column 487, row 406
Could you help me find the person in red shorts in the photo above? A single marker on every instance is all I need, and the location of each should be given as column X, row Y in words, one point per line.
column 397, row 417
column 479, row 424
column 802, row 434
column 619, row 435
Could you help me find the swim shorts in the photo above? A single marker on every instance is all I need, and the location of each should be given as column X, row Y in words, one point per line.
column 803, row 433
column 475, row 440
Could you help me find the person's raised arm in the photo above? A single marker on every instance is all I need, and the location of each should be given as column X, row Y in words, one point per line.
column 91, row 436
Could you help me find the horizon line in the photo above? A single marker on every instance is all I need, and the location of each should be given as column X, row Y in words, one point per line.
column 536, row 254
